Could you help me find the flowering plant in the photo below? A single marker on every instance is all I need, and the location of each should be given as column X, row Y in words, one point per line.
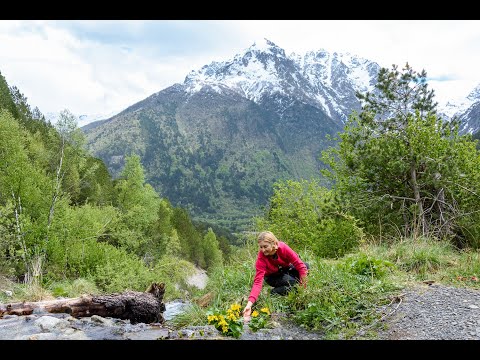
column 229, row 323
column 259, row 319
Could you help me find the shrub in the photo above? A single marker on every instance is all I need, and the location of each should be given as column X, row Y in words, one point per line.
column 362, row 264
column 338, row 236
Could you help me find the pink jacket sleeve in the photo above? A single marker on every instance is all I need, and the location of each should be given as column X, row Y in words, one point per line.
column 260, row 268
column 293, row 258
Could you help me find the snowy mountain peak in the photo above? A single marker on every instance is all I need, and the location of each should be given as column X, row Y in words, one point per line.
column 318, row 78
column 250, row 73
column 264, row 45
column 326, row 80
column 474, row 94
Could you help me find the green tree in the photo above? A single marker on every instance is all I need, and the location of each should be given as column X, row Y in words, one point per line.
column 96, row 184
column 130, row 186
column 162, row 231
column 307, row 215
column 6, row 100
column 476, row 136
column 23, row 203
column 138, row 203
column 211, row 250
column 172, row 244
column 68, row 131
column 190, row 237
column 398, row 166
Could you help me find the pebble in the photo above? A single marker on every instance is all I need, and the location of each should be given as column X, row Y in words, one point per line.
column 434, row 312
column 417, row 318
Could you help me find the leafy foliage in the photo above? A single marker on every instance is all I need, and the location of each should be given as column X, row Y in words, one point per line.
column 401, row 169
column 63, row 217
column 211, row 250
column 259, row 319
column 365, row 265
column 306, row 215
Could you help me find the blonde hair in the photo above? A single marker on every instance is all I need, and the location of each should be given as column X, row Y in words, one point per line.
column 269, row 238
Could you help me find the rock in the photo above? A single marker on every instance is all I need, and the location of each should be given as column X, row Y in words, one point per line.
column 199, row 279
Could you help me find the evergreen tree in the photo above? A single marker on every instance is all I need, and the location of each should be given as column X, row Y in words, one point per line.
column 211, row 250
column 6, row 100
column 172, row 245
column 138, row 204
column 190, row 238
column 399, row 166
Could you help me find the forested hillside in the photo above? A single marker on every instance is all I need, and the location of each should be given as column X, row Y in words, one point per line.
column 63, row 217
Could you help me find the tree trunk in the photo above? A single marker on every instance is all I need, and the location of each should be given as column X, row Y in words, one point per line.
column 138, row 307
column 418, row 201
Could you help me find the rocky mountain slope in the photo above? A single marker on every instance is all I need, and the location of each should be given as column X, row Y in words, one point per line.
column 216, row 143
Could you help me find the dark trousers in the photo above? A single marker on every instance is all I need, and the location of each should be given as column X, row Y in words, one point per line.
column 284, row 280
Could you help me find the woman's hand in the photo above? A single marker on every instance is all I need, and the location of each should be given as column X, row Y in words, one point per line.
column 247, row 312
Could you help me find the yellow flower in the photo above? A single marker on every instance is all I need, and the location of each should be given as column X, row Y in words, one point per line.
column 228, row 322
column 235, row 307
column 212, row 318
column 265, row 310
column 254, row 313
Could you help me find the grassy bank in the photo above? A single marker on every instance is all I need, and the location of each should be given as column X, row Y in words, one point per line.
column 342, row 295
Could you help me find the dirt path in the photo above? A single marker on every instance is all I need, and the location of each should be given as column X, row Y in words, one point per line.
column 199, row 279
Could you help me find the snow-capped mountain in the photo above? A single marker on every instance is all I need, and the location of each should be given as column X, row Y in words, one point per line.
column 318, row 78
column 218, row 141
column 325, row 80
column 470, row 117
column 465, row 109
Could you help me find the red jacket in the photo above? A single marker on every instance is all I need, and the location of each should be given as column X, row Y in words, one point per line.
column 267, row 265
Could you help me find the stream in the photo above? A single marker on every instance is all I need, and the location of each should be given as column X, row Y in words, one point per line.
column 62, row 326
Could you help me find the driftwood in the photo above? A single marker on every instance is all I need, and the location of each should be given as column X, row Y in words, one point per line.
column 138, row 307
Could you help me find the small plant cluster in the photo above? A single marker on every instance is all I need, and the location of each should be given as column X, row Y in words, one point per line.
column 230, row 322
column 259, row 319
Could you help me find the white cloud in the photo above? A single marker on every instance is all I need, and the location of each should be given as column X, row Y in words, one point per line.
column 100, row 66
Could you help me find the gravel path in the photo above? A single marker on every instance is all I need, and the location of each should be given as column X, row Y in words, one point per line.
column 433, row 312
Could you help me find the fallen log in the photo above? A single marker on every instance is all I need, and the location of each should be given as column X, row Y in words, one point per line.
column 138, row 307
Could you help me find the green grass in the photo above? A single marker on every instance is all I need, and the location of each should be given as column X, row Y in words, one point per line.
column 342, row 297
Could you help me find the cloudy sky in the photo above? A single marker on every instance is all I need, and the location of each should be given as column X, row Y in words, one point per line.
column 103, row 66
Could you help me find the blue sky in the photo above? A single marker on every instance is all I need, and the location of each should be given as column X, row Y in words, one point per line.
column 99, row 67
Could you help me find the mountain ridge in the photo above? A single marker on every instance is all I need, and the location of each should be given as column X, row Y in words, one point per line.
column 216, row 143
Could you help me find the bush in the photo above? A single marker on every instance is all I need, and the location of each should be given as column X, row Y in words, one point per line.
column 470, row 230
column 362, row 264
column 120, row 271
column 306, row 214
column 338, row 236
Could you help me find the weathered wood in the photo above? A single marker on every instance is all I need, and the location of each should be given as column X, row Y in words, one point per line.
column 138, row 307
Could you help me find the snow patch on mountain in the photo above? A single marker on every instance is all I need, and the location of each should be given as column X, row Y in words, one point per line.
column 319, row 78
